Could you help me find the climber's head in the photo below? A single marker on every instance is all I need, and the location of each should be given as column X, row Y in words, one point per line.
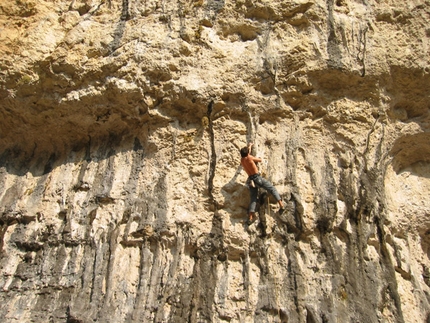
column 244, row 152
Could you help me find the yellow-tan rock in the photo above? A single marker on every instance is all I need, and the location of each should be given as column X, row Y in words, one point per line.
column 121, row 195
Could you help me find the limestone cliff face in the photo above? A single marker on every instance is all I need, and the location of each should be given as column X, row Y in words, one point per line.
column 121, row 196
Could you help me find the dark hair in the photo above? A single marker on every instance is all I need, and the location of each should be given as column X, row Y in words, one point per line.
column 244, row 152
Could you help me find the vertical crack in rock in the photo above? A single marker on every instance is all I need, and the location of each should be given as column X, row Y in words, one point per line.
column 389, row 273
column 294, row 205
column 212, row 162
column 206, row 281
column 268, row 304
column 379, row 217
column 333, row 47
column 204, row 293
column 295, row 282
column 326, row 208
column 371, row 204
column 270, row 65
column 120, row 29
column 141, row 283
column 137, row 165
column 156, row 283
column 111, row 253
column 93, row 290
column 173, row 282
column 182, row 21
column 367, row 147
column 362, row 44
column 125, row 14
column 3, row 229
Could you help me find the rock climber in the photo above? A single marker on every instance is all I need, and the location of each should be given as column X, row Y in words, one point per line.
column 255, row 180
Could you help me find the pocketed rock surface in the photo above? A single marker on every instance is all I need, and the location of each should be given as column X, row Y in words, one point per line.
column 121, row 195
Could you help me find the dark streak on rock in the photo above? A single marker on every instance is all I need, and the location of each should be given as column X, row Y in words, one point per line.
column 212, row 164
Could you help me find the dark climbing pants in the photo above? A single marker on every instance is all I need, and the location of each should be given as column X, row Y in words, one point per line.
column 263, row 183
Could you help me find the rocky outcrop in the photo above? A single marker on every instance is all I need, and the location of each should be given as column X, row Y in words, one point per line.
column 121, row 195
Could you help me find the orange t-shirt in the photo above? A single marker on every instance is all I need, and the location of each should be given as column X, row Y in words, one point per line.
column 248, row 164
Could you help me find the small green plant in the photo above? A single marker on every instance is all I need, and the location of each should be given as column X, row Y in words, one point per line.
column 343, row 295
column 205, row 122
column 188, row 138
column 29, row 191
column 198, row 32
column 25, row 79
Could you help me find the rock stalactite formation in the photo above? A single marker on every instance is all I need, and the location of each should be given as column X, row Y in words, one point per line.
column 121, row 195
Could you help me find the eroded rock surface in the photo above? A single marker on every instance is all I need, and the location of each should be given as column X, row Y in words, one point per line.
column 121, row 196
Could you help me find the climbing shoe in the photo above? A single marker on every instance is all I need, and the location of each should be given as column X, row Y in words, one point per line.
column 251, row 219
